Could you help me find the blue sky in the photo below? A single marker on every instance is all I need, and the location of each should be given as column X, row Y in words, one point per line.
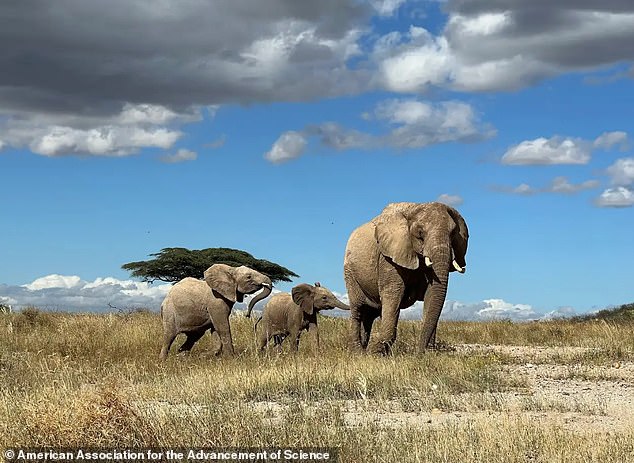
column 281, row 136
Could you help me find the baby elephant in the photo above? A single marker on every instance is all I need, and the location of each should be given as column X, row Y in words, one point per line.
column 290, row 314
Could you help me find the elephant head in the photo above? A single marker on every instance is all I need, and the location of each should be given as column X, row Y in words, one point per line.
column 232, row 283
column 315, row 298
column 432, row 235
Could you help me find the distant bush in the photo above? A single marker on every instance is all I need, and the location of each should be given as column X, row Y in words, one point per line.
column 620, row 314
column 31, row 317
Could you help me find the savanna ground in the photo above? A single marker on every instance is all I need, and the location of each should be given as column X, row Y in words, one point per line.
column 508, row 392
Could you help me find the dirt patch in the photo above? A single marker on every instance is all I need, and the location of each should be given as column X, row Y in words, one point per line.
column 576, row 396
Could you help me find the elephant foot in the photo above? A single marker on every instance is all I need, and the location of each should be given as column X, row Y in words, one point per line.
column 381, row 349
column 357, row 348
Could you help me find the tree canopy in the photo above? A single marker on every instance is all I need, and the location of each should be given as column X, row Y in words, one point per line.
column 174, row 264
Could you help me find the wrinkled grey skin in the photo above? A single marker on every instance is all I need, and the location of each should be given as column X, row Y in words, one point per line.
column 193, row 306
column 291, row 314
column 386, row 269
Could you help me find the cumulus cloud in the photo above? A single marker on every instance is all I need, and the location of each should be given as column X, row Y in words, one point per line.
column 608, row 140
column 451, row 200
column 490, row 46
column 555, row 150
column 410, row 123
column 122, row 134
column 559, row 185
column 289, row 145
column 72, row 293
column 100, row 100
column 622, row 171
column 616, row 197
column 488, row 309
column 561, row 150
column 182, row 155
column 386, row 7
column 522, row 189
column 562, row 185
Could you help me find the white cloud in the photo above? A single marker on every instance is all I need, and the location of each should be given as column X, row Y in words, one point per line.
column 54, row 281
column 412, row 124
column 146, row 114
column 559, row 185
column 71, row 293
column 135, row 127
column 2, row 144
column 608, row 140
column 103, row 141
column 451, row 200
column 561, row 312
column 555, row 150
column 289, row 145
column 622, row 171
column 386, row 7
column 413, row 68
column 487, row 47
column 182, row 155
column 488, row 309
column 616, row 197
column 562, row 185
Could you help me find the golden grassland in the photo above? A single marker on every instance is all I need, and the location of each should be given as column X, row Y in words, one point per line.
column 77, row 380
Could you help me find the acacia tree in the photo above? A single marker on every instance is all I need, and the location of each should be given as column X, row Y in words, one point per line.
column 174, row 264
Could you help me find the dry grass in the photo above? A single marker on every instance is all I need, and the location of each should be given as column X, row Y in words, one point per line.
column 77, row 380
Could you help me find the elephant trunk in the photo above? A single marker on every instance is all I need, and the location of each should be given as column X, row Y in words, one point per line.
column 341, row 305
column 267, row 288
column 435, row 294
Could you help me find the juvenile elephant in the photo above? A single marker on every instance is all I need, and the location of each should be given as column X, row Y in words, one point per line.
column 402, row 256
column 193, row 306
column 290, row 314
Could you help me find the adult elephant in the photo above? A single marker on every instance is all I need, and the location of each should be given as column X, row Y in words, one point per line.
column 402, row 256
column 193, row 306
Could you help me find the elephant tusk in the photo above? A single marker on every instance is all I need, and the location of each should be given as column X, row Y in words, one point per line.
column 458, row 267
column 428, row 262
column 266, row 285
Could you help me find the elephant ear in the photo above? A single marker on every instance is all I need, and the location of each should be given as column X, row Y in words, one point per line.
column 394, row 240
column 304, row 296
column 459, row 237
column 220, row 278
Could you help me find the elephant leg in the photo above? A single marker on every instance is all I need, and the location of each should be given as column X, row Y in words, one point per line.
column 217, row 341
column 224, row 331
column 356, row 316
column 263, row 339
column 192, row 337
column 314, row 330
column 294, row 335
column 389, row 322
column 168, row 339
column 367, row 320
